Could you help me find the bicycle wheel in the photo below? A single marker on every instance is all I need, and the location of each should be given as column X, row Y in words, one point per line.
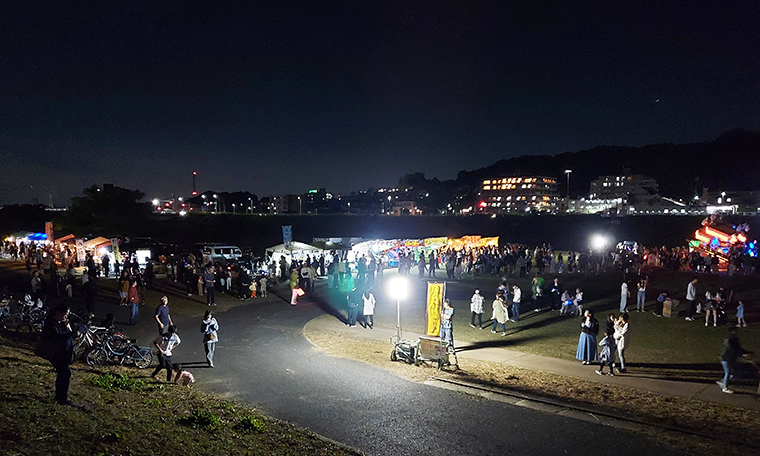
column 24, row 328
column 145, row 358
column 96, row 356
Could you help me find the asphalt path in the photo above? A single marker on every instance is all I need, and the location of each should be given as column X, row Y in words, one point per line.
column 264, row 360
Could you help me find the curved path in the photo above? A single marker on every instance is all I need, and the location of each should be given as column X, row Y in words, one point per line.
column 264, row 360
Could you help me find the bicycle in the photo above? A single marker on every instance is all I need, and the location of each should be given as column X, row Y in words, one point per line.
column 115, row 349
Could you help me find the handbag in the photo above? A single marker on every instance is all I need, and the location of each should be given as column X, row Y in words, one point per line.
column 300, row 292
column 45, row 348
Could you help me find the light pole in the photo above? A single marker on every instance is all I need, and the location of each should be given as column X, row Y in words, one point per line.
column 216, row 203
column 234, row 211
column 299, row 205
column 398, row 289
column 389, row 204
column 349, row 208
column 567, row 172
column 250, row 205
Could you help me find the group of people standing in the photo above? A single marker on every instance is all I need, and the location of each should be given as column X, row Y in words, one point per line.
column 615, row 340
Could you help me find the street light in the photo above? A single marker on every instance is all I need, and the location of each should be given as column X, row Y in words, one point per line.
column 216, row 205
column 233, row 209
column 567, row 172
column 299, row 205
column 398, row 288
column 349, row 208
column 250, row 205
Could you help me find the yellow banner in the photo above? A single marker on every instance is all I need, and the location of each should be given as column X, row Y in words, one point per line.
column 435, row 295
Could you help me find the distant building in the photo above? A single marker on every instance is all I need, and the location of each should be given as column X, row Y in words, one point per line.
column 405, row 207
column 628, row 186
column 518, row 194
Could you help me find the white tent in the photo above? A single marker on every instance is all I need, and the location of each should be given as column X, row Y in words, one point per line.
column 295, row 247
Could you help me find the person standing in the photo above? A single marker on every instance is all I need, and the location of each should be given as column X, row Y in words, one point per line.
column 740, row 321
column 165, row 343
column 163, row 318
column 608, row 352
column 353, row 307
column 124, row 288
column 732, row 349
column 263, row 286
column 56, row 337
column 447, row 327
column 624, row 294
column 516, row 298
column 586, row 351
column 556, row 294
column 621, row 339
column 369, row 308
column 209, row 328
column 421, row 266
column 209, row 279
column 641, row 295
column 499, row 315
column 476, row 309
column 432, row 265
column 134, row 303
column 691, row 296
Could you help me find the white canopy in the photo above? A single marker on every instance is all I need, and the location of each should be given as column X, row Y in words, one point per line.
column 294, row 247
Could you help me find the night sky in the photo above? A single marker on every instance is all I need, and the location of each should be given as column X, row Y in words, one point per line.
column 280, row 97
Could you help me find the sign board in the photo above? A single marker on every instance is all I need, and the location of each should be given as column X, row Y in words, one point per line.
column 287, row 235
column 49, row 232
column 81, row 256
column 436, row 292
column 115, row 249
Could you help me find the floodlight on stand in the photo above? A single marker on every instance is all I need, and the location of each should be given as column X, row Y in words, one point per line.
column 398, row 288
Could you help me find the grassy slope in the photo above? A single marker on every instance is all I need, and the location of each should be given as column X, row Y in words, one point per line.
column 146, row 420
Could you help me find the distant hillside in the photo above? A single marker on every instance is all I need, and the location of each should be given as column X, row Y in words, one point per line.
column 731, row 162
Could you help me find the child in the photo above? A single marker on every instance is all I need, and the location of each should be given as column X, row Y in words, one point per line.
column 263, row 286
column 566, row 303
column 611, row 322
column 253, row 288
column 608, row 352
column 182, row 377
column 740, row 322
column 579, row 301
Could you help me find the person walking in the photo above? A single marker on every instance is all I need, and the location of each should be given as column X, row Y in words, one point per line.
column 294, row 289
column 58, row 348
column 691, row 296
column 732, row 349
column 162, row 316
column 165, row 344
column 369, row 309
column 134, row 303
column 624, row 295
column 621, row 339
column 587, row 352
column 740, row 321
column 447, row 327
column 499, row 315
column 476, row 309
column 209, row 328
column 516, row 298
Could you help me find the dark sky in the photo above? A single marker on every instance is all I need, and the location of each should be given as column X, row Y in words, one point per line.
column 279, row 97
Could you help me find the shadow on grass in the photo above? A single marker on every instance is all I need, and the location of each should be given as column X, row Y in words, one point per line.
column 505, row 342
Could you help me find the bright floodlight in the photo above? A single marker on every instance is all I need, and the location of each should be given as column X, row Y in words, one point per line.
column 398, row 288
column 598, row 242
column 156, row 202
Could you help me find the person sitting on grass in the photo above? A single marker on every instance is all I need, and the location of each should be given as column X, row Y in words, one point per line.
column 182, row 377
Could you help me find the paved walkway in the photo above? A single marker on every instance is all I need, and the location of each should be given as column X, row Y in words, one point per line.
column 744, row 397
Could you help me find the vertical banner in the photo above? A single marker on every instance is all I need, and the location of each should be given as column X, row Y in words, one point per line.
column 115, row 249
column 49, row 232
column 287, row 235
column 80, row 251
column 436, row 291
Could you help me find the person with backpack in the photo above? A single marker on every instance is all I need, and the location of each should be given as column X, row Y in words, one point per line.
column 55, row 346
column 587, row 351
column 209, row 328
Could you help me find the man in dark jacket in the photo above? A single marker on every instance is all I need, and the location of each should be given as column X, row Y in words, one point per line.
column 56, row 336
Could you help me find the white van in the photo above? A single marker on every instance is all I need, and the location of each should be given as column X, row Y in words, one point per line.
column 213, row 253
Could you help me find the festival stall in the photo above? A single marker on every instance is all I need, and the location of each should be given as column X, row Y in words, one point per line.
column 721, row 240
column 295, row 251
